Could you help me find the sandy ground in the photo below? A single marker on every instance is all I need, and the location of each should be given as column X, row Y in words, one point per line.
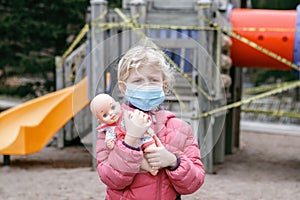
column 265, row 167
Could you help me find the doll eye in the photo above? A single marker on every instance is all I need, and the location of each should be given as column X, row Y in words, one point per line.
column 113, row 107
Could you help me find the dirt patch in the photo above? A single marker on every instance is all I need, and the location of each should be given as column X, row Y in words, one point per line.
column 265, row 167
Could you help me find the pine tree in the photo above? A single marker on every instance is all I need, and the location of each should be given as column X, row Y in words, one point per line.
column 33, row 32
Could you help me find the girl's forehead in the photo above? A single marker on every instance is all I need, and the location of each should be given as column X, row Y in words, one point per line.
column 146, row 71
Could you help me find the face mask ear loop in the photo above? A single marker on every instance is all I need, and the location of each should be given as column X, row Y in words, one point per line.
column 168, row 90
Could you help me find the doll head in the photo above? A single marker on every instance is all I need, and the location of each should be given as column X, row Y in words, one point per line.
column 105, row 108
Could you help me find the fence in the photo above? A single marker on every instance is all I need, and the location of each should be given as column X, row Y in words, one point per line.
column 70, row 71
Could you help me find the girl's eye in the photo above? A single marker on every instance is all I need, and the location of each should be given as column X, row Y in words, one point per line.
column 137, row 81
column 154, row 80
column 104, row 115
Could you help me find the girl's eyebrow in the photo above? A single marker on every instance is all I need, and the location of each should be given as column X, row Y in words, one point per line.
column 154, row 76
column 137, row 78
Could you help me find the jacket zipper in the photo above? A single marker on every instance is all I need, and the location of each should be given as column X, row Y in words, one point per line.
column 158, row 187
column 157, row 134
column 154, row 123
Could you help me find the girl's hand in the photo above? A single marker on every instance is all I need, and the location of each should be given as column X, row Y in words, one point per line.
column 159, row 156
column 136, row 123
column 146, row 167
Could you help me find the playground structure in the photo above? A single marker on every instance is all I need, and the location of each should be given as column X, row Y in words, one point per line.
column 40, row 119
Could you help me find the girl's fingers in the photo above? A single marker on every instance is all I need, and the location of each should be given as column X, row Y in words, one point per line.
column 152, row 161
column 155, row 168
column 150, row 150
column 154, row 164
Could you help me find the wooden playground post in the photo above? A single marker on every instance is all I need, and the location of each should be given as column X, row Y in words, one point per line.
column 59, row 79
column 96, row 66
column 223, row 67
column 233, row 131
column 205, row 39
column 219, row 148
column 137, row 7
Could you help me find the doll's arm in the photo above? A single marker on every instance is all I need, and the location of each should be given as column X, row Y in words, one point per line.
column 110, row 137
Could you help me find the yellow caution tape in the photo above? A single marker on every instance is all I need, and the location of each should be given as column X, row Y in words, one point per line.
column 265, row 29
column 204, row 6
column 75, row 64
column 263, row 88
column 275, row 113
column 182, row 105
column 249, row 100
column 82, row 33
column 102, row 15
column 151, row 26
column 182, row 27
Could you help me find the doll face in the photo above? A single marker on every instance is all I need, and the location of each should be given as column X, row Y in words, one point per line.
column 110, row 113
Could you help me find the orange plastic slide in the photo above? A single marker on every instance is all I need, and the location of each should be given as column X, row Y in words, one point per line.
column 27, row 128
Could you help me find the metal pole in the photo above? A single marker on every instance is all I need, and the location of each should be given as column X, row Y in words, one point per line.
column 6, row 160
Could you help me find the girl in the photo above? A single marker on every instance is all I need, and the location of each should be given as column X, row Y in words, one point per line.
column 143, row 74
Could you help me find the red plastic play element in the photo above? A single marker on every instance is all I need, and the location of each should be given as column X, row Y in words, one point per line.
column 271, row 29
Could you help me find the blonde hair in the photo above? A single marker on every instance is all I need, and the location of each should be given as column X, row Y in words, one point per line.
column 144, row 56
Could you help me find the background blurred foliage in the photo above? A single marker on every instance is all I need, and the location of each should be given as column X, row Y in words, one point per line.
column 275, row 4
column 33, row 32
column 114, row 3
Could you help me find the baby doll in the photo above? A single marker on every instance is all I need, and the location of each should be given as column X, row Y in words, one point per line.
column 108, row 112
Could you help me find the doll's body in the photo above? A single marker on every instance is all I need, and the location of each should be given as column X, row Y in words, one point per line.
column 108, row 112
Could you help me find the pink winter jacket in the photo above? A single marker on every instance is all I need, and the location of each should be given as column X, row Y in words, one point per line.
column 119, row 168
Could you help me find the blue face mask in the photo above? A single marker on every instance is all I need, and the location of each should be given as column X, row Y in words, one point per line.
column 144, row 97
